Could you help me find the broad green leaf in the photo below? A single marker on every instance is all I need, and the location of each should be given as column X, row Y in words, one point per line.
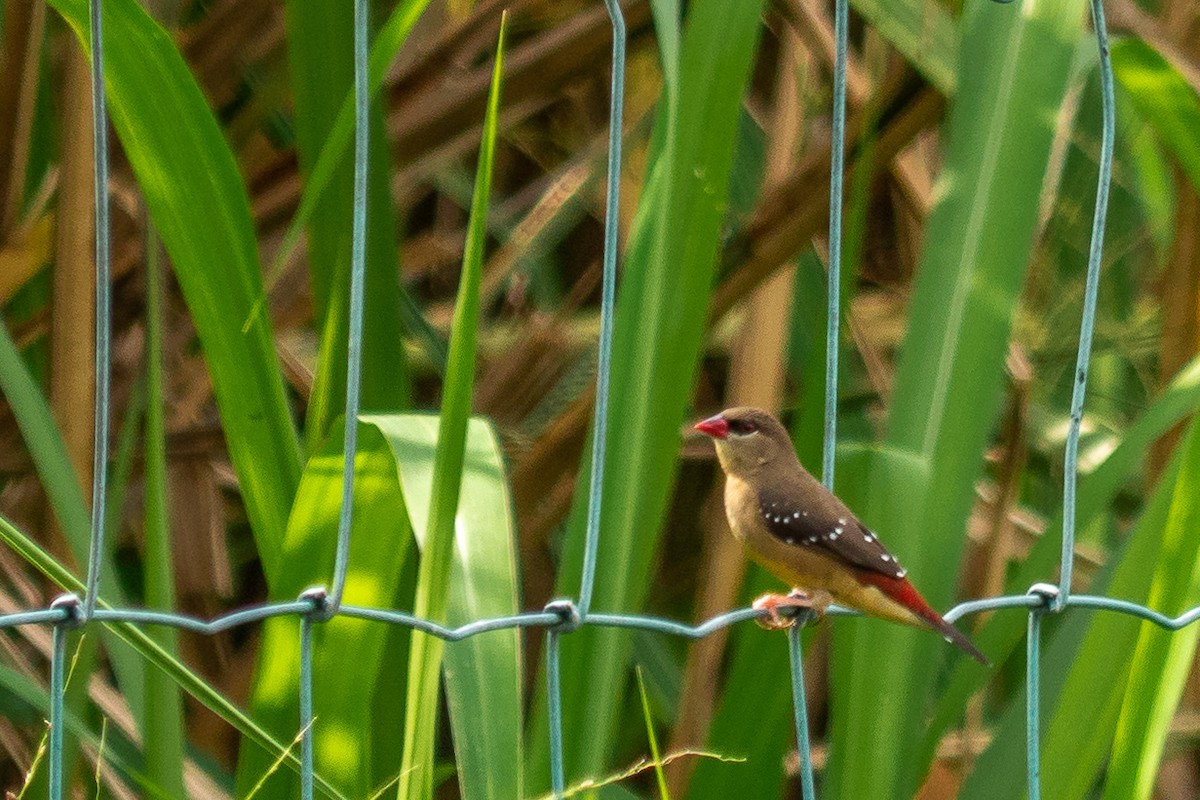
column 657, row 341
column 320, row 59
column 379, row 547
column 483, row 673
column 433, row 580
column 1164, row 98
column 1014, row 67
column 196, row 199
column 1163, row 659
column 1082, row 683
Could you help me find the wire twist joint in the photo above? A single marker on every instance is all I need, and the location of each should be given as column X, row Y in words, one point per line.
column 569, row 618
column 318, row 598
column 72, row 608
column 1050, row 595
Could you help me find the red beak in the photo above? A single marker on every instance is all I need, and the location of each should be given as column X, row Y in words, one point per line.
column 716, row 427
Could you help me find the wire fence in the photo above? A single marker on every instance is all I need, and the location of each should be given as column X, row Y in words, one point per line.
column 561, row 617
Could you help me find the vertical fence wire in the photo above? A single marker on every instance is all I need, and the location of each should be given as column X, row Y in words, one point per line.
column 58, row 664
column 833, row 300
column 800, row 709
column 554, row 705
column 1091, row 288
column 607, row 303
column 103, row 309
column 306, row 708
column 837, row 163
column 1033, row 691
column 358, row 258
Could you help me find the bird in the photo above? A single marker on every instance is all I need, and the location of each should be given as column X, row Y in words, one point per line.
column 803, row 534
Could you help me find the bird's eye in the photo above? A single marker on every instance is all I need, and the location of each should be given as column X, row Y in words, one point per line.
column 742, row 427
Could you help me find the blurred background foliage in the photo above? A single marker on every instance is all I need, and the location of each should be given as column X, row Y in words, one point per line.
column 973, row 144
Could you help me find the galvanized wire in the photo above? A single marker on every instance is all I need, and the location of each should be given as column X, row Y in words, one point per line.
column 800, row 709
column 561, row 617
column 1091, row 289
column 607, row 304
column 1033, row 703
column 358, row 260
column 837, row 170
column 103, row 308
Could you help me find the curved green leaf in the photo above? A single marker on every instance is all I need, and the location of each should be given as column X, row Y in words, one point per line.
column 1164, row 98
column 196, row 198
column 1163, row 659
column 482, row 674
column 379, row 546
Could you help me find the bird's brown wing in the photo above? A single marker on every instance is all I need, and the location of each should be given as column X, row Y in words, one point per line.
column 826, row 526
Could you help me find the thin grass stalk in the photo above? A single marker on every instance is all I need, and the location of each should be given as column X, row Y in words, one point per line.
column 164, row 733
column 425, row 654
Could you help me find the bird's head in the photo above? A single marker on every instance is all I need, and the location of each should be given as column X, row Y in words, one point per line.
column 747, row 439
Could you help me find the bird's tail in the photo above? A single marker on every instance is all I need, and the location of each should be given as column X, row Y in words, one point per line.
column 903, row 592
column 955, row 637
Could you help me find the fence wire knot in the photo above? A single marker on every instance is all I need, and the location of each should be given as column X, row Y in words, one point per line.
column 318, row 598
column 569, row 618
column 72, row 608
column 1050, row 595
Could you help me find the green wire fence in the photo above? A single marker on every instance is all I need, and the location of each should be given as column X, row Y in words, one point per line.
column 560, row 617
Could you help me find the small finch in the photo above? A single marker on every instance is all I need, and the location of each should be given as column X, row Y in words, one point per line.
column 803, row 534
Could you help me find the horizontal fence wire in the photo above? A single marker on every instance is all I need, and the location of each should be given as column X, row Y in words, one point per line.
column 561, row 617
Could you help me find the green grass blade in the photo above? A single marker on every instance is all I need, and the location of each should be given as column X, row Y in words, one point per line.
column 1015, row 65
column 923, row 32
column 657, row 340
column 1003, row 634
column 1164, row 98
column 482, row 674
column 145, row 646
column 391, row 38
column 164, row 733
column 198, row 203
column 660, row 778
column 1082, row 682
column 433, row 589
column 1163, row 659
column 24, row 691
column 379, row 551
column 58, row 479
column 320, row 59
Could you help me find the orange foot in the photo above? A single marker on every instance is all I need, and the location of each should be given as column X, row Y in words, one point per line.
column 816, row 602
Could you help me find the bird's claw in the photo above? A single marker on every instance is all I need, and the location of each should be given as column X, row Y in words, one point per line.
column 815, row 602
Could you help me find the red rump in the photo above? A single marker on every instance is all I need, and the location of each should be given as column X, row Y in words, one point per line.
column 903, row 592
